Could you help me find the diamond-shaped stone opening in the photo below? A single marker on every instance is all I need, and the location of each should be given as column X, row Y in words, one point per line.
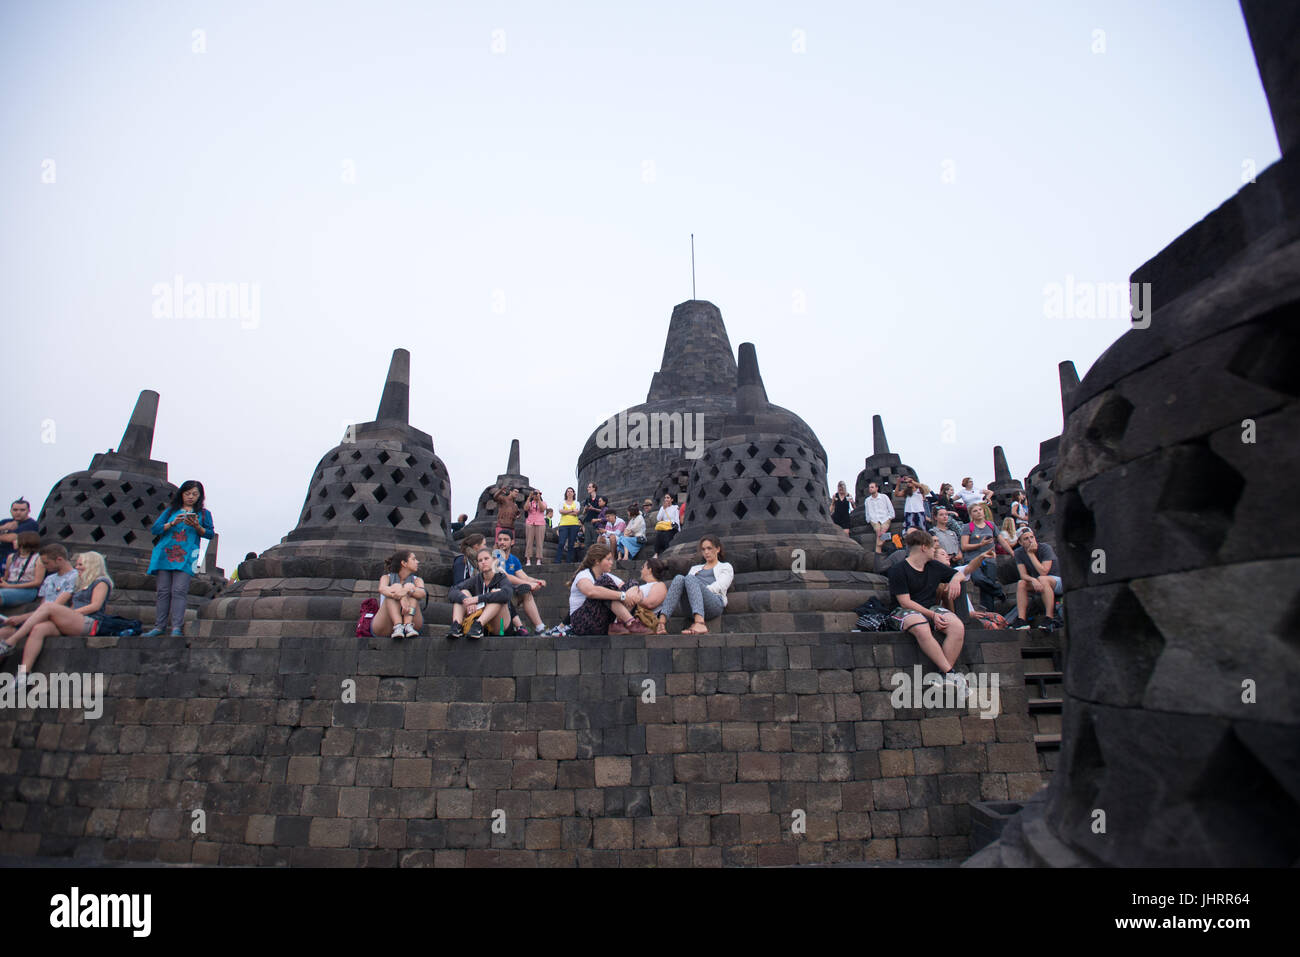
column 361, row 513
column 334, row 457
column 80, row 497
column 96, row 533
column 803, row 508
column 348, row 490
column 768, row 467
column 779, row 449
column 784, row 484
column 66, row 531
column 726, row 455
column 424, row 480
column 434, row 500
column 808, row 487
column 306, row 516
column 740, row 510
column 1268, row 357
column 425, row 520
column 724, row 489
column 754, row 487
column 367, row 472
column 752, row 450
column 738, row 469
column 129, row 537
column 110, row 499
column 384, row 457
column 145, row 522
column 409, row 497
column 97, row 484
column 380, row 493
column 394, row 518
column 323, row 492
column 710, row 512
column 442, row 488
column 126, row 487
column 398, row 476
column 329, row 513
column 340, row 472
column 356, row 456
column 713, row 472
column 137, row 504
column 88, row 514
column 117, row 518
column 149, row 490
column 799, row 450
column 773, row 508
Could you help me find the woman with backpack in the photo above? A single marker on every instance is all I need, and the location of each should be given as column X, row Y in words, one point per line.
column 23, row 572
column 400, row 592
column 175, row 556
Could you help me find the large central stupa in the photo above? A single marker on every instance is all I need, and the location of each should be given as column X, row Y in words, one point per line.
column 696, row 379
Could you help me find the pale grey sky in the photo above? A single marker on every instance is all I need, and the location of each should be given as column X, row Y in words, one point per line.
column 880, row 194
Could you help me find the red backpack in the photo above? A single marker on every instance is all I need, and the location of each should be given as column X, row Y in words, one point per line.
column 368, row 609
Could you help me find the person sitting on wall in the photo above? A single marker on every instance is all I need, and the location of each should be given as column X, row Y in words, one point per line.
column 248, row 558
column 57, row 585
column 978, row 549
column 464, row 565
column 652, row 585
column 841, row 505
column 666, row 524
column 1036, row 562
column 23, row 572
column 913, row 494
column 21, row 521
column 598, row 602
column 487, row 593
column 880, row 513
column 968, row 496
column 705, row 586
column 614, row 527
column 522, row 585
column 400, row 592
column 89, row 605
column 914, row 587
column 1020, row 509
column 629, row 543
column 946, row 532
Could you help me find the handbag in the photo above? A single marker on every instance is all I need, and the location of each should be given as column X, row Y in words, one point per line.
column 663, row 526
column 646, row 617
column 469, row 620
column 640, row 539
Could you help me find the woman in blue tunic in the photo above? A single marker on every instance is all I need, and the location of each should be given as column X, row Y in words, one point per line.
column 176, row 555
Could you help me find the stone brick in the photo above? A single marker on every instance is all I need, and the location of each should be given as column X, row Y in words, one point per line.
column 758, row 766
column 889, row 794
column 742, row 798
column 760, row 828
column 939, row 731
column 425, row 715
column 326, row 832
column 613, row 771
column 1013, row 757
column 1021, row 786
column 533, row 774
column 543, row 834
column 740, row 736
column 896, row 763
column 455, row 802
column 610, row 832
column 498, row 689
column 412, row 773
column 552, row 804
column 771, row 736
column 304, row 770
column 663, row 739
column 655, row 831
column 557, row 745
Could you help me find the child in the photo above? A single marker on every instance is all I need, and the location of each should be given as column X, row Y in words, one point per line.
column 613, row 529
column 176, row 555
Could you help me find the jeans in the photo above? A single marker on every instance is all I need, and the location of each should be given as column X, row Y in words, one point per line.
column 703, row 602
column 16, row 596
column 568, row 536
column 173, row 588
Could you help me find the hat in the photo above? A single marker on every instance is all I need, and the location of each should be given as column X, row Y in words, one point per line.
column 1020, row 532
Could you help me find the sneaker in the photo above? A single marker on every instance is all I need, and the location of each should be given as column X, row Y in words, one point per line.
column 956, row 680
column 476, row 629
column 932, row 678
column 1020, row 625
column 454, row 633
column 177, row 633
column 21, row 678
column 522, row 631
column 399, row 631
column 5, row 649
column 152, row 633
column 1051, row 625
column 618, row 628
column 411, row 631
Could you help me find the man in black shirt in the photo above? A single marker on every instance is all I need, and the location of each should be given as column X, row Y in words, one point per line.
column 914, row 585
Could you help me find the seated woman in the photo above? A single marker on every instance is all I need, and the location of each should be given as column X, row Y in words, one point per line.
column 23, row 572
column 465, row 565
column 1020, row 510
column 667, row 524
column 628, row 545
column 597, row 598
column 59, row 583
column 614, row 528
column 400, row 593
column 652, row 586
column 487, row 591
column 89, row 605
column 705, row 586
column 1007, row 537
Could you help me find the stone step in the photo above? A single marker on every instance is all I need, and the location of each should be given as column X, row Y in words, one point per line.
column 1047, row 742
column 1048, row 723
column 1047, row 705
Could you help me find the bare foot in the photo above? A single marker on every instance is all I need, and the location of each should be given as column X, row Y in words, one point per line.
column 697, row 628
column 660, row 628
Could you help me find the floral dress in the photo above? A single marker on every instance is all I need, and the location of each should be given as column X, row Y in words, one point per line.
column 178, row 548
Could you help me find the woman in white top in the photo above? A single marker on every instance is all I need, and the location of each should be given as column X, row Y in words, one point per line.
column 705, row 586
column 667, row 515
column 653, row 587
column 628, row 545
column 1020, row 509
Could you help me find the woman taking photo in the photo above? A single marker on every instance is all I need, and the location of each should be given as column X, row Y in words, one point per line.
column 176, row 555
column 569, row 524
column 705, row 586
column 534, row 527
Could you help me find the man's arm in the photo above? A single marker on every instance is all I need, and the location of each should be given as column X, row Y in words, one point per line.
column 905, row 601
column 1044, row 568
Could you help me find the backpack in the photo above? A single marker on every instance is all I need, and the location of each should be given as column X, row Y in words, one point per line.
column 112, row 625
column 991, row 620
column 368, row 609
column 872, row 615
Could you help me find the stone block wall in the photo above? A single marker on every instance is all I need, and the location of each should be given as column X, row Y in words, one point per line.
column 555, row 742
